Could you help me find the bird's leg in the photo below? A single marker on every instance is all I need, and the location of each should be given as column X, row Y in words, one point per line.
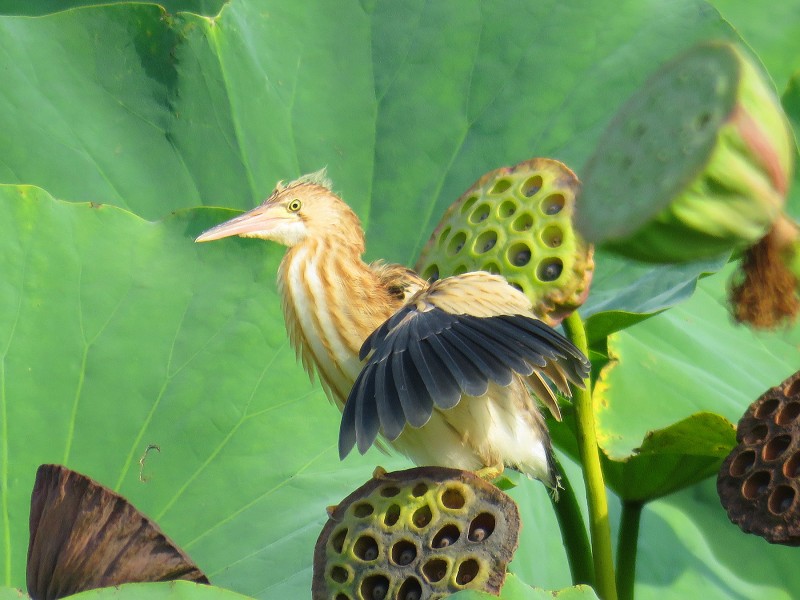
column 490, row 473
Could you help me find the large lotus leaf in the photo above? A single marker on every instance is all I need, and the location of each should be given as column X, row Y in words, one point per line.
column 216, row 110
column 681, row 362
column 407, row 103
column 672, row 458
column 773, row 34
column 117, row 333
column 625, row 292
column 213, row 111
column 237, row 484
column 691, row 527
column 43, row 7
column 174, row 590
column 791, row 103
column 515, row 589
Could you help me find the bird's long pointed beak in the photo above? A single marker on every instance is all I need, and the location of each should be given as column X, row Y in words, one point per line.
column 254, row 222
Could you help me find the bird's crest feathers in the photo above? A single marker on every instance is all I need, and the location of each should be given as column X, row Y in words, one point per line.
column 319, row 178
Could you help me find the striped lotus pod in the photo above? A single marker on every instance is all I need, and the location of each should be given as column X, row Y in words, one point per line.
column 759, row 481
column 423, row 533
column 517, row 221
column 697, row 163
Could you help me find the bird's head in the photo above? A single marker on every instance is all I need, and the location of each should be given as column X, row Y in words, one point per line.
column 305, row 208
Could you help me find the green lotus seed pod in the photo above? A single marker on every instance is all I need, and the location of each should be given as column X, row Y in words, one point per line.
column 426, row 532
column 698, row 162
column 517, row 221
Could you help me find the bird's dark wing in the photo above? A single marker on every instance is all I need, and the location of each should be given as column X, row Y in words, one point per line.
column 425, row 357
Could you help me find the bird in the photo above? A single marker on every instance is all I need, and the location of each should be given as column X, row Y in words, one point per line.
column 445, row 371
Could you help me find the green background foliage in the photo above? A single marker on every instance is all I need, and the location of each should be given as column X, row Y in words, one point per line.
column 123, row 125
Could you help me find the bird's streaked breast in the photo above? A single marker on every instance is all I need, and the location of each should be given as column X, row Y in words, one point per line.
column 312, row 303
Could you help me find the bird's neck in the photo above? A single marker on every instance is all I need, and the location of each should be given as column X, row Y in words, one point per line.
column 332, row 300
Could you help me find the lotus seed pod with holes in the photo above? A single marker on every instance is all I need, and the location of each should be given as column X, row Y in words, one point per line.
column 517, row 221
column 759, row 481
column 419, row 534
column 698, row 162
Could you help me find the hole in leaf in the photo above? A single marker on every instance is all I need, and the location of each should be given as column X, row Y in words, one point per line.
column 703, row 119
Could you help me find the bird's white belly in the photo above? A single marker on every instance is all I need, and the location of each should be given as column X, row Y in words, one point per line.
column 481, row 432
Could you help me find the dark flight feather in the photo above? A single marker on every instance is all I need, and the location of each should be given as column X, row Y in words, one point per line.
column 418, row 359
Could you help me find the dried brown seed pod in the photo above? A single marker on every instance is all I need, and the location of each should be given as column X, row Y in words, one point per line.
column 418, row 534
column 84, row 536
column 759, row 481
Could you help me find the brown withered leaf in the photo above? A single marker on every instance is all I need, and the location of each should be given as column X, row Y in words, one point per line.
column 84, row 536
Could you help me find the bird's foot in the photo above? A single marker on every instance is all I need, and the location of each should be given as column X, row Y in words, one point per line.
column 490, row 473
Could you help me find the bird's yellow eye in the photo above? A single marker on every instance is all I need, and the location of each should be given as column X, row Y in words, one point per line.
column 294, row 205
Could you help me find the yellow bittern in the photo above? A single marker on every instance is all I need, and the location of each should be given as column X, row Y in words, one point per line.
column 439, row 369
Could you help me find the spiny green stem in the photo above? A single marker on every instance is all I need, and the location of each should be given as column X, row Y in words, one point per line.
column 605, row 583
column 573, row 532
column 626, row 548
